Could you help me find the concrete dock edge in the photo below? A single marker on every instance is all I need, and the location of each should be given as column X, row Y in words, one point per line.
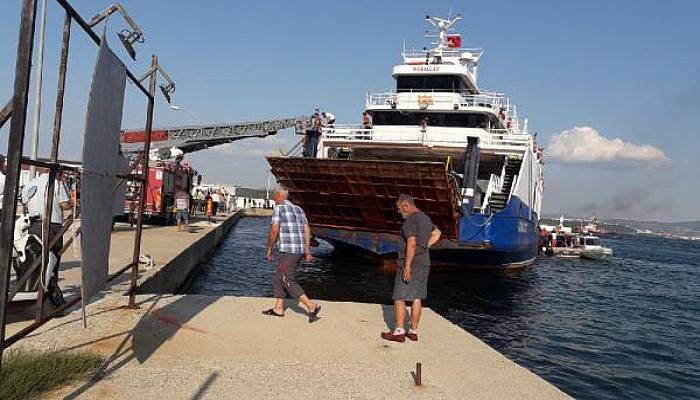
column 173, row 275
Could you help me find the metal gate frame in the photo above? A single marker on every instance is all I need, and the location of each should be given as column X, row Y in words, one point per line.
column 16, row 110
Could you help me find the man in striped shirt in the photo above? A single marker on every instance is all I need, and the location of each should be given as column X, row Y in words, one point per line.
column 290, row 226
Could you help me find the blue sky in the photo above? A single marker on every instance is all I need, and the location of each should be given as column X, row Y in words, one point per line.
column 625, row 69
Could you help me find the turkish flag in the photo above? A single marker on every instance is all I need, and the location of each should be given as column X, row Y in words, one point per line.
column 454, row 41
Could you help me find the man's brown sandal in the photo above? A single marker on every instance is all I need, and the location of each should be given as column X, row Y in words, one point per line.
column 393, row 338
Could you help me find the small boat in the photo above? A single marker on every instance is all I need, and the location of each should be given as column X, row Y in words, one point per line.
column 592, row 249
column 567, row 252
column 560, row 240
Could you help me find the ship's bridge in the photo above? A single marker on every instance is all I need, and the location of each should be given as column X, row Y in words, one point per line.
column 434, row 77
column 441, row 86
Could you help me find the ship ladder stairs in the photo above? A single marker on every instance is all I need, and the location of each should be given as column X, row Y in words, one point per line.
column 499, row 201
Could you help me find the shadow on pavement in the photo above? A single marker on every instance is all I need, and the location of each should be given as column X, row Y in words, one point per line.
column 125, row 352
column 388, row 314
column 160, row 324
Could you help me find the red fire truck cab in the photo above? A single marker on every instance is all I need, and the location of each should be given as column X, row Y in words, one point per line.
column 164, row 180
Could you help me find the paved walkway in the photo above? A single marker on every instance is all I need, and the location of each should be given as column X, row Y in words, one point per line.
column 187, row 347
column 163, row 243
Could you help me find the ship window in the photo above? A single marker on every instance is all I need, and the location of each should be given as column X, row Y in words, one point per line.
column 592, row 242
column 448, row 83
column 457, row 120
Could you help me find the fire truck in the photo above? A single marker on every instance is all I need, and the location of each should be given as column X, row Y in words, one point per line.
column 165, row 178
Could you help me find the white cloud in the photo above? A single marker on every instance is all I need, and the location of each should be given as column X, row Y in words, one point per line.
column 585, row 145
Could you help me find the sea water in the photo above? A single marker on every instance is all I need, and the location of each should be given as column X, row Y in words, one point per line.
column 624, row 328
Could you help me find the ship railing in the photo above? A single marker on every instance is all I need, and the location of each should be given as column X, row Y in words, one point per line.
column 429, row 136
column 428, row 97
column 508, row 137
column 494, row 187
column 512, row 186
column 474, row 52
column 347, row 133
column 501, row 179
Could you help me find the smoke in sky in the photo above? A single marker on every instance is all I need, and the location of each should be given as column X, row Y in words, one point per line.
column 630, row 202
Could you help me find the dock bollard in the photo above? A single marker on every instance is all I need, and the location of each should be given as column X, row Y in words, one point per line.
column 419, row 377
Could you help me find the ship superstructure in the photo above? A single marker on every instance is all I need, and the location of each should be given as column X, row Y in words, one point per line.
column 459, row 150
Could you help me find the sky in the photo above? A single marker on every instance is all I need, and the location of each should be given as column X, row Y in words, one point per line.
column 611, row 88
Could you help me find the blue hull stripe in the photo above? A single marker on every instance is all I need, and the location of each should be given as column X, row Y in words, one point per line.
column 507, row 237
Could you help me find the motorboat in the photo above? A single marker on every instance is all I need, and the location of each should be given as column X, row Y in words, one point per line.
column 592, row 249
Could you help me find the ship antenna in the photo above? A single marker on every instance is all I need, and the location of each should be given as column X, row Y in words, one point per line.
column 443, row 26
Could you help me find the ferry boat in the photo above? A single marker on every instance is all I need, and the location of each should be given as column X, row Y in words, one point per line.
column 460, row 151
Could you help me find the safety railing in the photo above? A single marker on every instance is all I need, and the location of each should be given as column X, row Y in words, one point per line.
column 504, row 137
column 457, row 53
column 408, row 97
column 494, row 187
column 431, row 136
column 512, row 186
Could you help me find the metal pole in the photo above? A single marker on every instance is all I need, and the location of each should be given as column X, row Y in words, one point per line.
column 419, row 374
column 51, row 184
column 37, row 96
column 144, row 183
column 25, row 46
column 5, row 113
column 58, row 116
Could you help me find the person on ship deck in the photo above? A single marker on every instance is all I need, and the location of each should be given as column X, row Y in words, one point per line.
column 366, row 120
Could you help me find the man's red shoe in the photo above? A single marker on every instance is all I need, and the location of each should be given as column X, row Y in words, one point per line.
column 390, row 336
column 412, row 336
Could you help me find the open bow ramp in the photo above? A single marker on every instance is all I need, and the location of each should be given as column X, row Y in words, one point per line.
column 359, row 195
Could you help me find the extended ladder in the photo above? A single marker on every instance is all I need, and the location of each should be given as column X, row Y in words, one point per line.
column 194, row 138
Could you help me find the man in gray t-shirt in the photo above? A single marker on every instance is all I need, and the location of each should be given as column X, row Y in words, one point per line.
column 418, row 233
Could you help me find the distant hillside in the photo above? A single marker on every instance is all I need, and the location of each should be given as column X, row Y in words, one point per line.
column 685, row 228
column 606, row 225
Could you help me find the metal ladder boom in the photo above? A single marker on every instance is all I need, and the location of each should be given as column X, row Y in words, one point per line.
column 193, row 138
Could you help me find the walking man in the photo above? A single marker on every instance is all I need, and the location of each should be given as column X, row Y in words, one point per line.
column 289, row 224
column 411, row 282
column 182, row 209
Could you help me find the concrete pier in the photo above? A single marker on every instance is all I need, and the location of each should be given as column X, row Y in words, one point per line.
column 175, row 255
column 191, row 346
column 223, row 347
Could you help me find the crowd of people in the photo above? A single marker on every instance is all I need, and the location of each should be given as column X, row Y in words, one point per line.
column 222, row 200
column 322, row 119
column 210, row 200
